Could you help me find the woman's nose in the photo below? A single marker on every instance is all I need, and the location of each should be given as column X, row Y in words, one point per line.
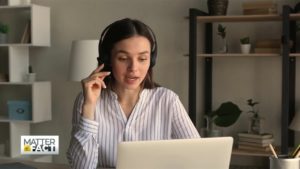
column 133, row 65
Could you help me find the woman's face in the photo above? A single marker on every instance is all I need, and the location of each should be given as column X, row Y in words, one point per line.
column 130, row 62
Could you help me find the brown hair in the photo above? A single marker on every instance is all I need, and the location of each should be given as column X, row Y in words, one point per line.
column 120, row 30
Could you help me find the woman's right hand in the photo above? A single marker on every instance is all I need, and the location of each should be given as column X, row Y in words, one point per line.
column 92, row 86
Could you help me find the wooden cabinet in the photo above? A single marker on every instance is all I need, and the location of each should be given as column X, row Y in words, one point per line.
column 288, row 57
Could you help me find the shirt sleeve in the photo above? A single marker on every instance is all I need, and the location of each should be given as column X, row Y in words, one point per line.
column 182, row 126
column 83, row 148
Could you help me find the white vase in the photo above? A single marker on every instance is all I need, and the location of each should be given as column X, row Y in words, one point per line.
column 245, row 48
column 224, row 47
column 256, row 125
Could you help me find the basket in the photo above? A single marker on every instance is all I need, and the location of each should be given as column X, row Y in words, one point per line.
column 217, row 7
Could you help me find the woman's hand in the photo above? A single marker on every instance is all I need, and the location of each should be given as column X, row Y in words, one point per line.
column 92, row 87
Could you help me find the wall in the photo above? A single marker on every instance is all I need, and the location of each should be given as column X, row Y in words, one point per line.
column 236, row 79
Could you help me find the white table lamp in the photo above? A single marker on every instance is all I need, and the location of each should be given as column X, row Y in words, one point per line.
column 83, row 59
column 295, row 124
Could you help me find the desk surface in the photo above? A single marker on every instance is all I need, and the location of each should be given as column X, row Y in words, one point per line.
column 39, row 165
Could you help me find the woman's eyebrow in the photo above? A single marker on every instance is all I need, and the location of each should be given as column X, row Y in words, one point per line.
column 125, row 52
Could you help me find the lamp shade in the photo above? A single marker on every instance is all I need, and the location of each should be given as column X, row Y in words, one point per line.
column 295, row 124
column 83, row 59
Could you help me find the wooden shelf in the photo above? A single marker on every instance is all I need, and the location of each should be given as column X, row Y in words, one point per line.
column 5, row 119
column 16, row 44
column 245, row 18
column 243, row 55
column 238, row 55
column 15, row 6
column 294, row 54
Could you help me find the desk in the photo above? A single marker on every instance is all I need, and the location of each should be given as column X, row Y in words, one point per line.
column 40, row 165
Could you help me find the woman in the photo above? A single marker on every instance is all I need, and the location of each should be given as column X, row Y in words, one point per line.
column 120, row 101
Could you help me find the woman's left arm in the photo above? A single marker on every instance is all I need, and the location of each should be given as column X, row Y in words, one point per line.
column 182, row 126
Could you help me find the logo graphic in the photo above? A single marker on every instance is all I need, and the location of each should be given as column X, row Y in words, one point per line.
column 39, row 145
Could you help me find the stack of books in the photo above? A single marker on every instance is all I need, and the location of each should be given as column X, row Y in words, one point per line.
column 259, row 7
column 267, row 46
column 255, row 142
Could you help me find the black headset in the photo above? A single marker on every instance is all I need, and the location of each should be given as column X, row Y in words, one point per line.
column 104, row 56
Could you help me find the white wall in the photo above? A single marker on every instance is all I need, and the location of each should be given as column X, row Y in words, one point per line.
column 235, row 79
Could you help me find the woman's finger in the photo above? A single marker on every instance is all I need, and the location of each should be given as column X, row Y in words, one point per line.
column 103, row 84
column 101, row 75
column 98, row 69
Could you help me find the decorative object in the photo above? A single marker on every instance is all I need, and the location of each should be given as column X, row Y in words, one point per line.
column 3, row 33
column 83, row 59
column 30, row 76
column 245, row 45
column 295, row 124
column 19, row 110
column 255, row 121
column 225, row 116
column 217, row 7
column 222, row 34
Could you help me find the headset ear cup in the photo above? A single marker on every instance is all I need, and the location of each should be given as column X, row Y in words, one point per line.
column 152, row 58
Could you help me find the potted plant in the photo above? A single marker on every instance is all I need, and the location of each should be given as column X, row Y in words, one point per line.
column 3, row 32
column 222, row 34
column 255, row 121
column 224, row 116
column 245, row 45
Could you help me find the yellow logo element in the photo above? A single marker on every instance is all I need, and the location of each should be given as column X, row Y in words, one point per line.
column 27, row 147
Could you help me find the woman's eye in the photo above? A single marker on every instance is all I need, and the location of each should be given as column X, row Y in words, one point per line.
column 122, row 58
column 143, row 58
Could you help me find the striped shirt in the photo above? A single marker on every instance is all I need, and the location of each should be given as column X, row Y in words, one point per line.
column 158, row 115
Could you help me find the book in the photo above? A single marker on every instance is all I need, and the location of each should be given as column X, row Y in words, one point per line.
column 26, row 36
column 260, row 11
column 259, row 136
column 255, row 140
column 243, row 147
column 258, row 4
column 267, row 50
column 268, row 43
column 253, row 144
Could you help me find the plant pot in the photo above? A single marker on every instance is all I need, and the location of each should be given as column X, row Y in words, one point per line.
column 3, row 38
column 217, row 7
column 210, row 130
column 245, row 48
column 30, row 77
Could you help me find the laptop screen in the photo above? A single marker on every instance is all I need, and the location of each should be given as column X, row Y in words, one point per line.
column 202, row 153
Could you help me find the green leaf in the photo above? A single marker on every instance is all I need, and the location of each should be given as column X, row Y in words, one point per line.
column 227, row 114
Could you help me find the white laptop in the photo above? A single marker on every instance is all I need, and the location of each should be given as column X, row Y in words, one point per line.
column 202, row 153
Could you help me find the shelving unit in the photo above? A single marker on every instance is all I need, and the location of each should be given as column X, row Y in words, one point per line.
column 288, row 62
column 38, row 93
